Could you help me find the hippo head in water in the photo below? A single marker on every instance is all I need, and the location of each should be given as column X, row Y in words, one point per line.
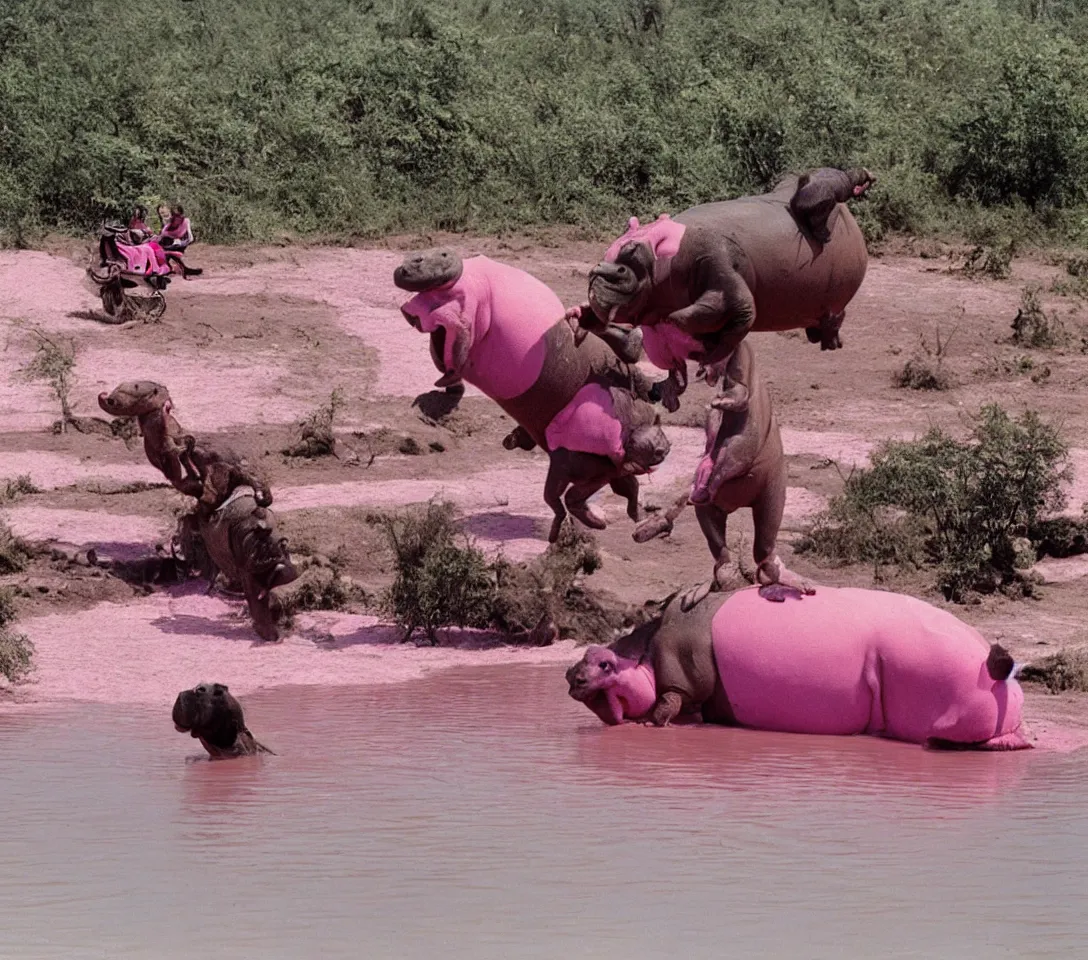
column 615, row 688
column 434, row 273
column 619, row 288
column 211, row 714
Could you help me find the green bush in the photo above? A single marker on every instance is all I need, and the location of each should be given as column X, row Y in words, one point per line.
column 16, row 650
column 355, row 119
column 1060, row 672
column 963, row 507
column 1034, row 327
column 15, row 554
column 441, row 579
column 17, row 488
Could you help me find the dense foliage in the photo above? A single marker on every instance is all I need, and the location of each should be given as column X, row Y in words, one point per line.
column 971, row 508
column 357, row 117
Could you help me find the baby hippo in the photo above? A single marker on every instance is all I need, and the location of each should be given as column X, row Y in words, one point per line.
column 605, row 435
column 211, row 714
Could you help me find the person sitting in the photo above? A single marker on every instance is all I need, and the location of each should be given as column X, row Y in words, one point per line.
column 178, row 232
column 175, row 236
column 138, row 221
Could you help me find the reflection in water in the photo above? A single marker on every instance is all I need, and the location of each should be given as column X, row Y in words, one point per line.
column 481, row 813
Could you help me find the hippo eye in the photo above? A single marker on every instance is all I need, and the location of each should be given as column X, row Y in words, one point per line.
column 606, row 667
column 218, row 690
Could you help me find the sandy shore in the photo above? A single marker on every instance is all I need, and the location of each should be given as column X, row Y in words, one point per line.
column 263, row 337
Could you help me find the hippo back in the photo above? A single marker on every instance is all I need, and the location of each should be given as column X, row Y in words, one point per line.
column 793, row 279
column 850, row 661
column 565, row 370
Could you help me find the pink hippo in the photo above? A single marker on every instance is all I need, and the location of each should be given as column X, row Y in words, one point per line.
column 842, row 661
column 503, row 330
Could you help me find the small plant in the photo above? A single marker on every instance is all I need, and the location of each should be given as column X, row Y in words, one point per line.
column 441, row 579
column 54, row 363
column 316, row 438
column 1032, row 327
column 15, row 554
column 963, row 507
column 1063, row 671
column 1017, row 366
column 17, row 488
column 545, row 590
column 994, row 262
column 925, row 370
column 16, row 650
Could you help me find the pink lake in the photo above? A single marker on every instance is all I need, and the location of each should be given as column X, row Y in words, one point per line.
column 480, row 813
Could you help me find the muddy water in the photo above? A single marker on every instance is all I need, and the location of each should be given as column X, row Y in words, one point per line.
column 481, row 814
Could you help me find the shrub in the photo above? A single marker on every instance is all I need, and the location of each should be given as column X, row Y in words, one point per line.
column 316, row 438
column 962, row 507
column 544, row 589
column 1032, row 327
column 441, row 579
column 16, row 650
column 1063, row 671
column 54, row 363
column 15, row 554
column 925, row 370
column 994, row 262
column 18, row 488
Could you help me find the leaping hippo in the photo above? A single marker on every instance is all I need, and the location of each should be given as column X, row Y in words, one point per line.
column 211, row 714
column 844, row 661
column 698, row 283
column 503, row 331
column 743, row 466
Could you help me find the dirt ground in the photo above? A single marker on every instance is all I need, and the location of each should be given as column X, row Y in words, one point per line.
column 265, row 335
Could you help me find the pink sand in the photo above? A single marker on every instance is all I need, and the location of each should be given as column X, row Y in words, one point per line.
column 45, row 289
column 85, row 527
column 147, row 650
column 52, row 470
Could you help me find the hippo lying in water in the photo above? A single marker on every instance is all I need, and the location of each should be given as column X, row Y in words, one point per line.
column 211, row 714
column 842, row 661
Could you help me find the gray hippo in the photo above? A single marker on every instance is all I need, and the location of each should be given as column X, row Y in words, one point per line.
column 698, row 283
column 843, row 661
column 211, row 714
column 231, row 519
column 744, row 466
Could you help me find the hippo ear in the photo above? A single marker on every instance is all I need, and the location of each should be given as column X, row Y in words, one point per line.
column 657, row 419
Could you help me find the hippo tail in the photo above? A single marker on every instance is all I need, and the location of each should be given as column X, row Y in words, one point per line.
column 1000, row 664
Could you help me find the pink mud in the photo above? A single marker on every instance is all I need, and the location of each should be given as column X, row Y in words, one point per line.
column 147, row 650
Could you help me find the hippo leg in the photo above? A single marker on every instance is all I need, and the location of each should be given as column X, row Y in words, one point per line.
column 712, row 521
column 666, row 709
column 260, row 609
column 627, row 487
column 625, row 344
column 661, row 524
column 518, row 439
column 829, row 331
column 576, row 503
column 767, row 514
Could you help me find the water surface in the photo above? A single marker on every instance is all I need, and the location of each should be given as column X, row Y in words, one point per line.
column 482, row 814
